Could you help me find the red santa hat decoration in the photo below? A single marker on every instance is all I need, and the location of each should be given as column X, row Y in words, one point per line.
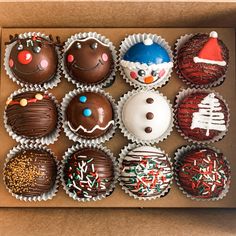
column 211, row 53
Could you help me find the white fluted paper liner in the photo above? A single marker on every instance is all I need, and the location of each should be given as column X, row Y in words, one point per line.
column 131, row 136
column 48, row 139
column 180, row 153
column 124, row 152
column 47, row 85
column 137, row 38
column 46, row 196
column 180, row 96
column 75, row 137
column 179, row 43
column 77, row 147
column 99, row 37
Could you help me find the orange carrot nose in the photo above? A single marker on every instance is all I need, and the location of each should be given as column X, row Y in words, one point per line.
column 148, row 79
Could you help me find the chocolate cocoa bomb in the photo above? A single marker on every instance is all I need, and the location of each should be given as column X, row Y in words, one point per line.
column 32, row 114
column 33, row 60
column 30, row 173
column 89, row 61
column 88, row 173
column 90, row 115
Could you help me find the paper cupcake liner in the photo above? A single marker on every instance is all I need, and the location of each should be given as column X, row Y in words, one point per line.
column 44, row 197
column 75, row 137
column 68, row 154
column 123, row 154
column 180, row 152
column 48, row 139
column 179, row 43
column 185, row 92
column 101, row 38
column 131, row 136
column 47, row 85
column 137, row 38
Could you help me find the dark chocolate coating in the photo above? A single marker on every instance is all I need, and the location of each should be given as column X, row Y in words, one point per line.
column 88, row 65
column 31, row 173
column 100, row 176
column 36, row 119
column 200, row 73
column 33, row 72
column 185, row 110
column 102, row 114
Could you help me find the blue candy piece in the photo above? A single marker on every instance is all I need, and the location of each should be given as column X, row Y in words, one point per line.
column 87, row 112
column 149, row 53
column 83, row 99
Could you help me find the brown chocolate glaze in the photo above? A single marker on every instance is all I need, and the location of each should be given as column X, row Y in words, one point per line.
column 31, row 173
column 89, row 62
column 200, row 73
column 37, row 119
column 98, row 168
column 101, row 115
column 185, row 111
column 43, row 63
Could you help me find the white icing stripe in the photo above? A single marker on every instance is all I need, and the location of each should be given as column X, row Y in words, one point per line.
column 208, row 117
column 91, row 130
column 201, row 60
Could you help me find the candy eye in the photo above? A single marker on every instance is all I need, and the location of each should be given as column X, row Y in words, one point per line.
column 78, row 45
column 20, row 47
column 36, row 49
column 153, row 73
column 94, row 46
column 141, row 73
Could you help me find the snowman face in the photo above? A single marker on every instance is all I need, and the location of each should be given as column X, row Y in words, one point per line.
column 146, row 74
column 147, row 115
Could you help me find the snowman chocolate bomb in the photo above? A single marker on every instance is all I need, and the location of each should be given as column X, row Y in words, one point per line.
column 32, row 59
column 146, row 63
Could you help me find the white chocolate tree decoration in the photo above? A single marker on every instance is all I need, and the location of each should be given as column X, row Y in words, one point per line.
column 209, row 116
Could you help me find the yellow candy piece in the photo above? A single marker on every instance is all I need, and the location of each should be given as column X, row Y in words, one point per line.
column 23, row 102
column 39, row 96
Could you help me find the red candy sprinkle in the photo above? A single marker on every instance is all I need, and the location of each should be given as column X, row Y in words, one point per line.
column 70, row 58
column 25, row 57
column 133, row 75
column 11, row 63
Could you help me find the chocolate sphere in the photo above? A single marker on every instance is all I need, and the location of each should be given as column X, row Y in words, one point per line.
column 31, row 114
column 30, row 173
column 89, row 114
column 89, row 61
column 33, row 60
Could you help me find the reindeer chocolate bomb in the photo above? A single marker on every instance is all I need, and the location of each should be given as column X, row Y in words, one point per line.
column 88, row 61
column 33, row 60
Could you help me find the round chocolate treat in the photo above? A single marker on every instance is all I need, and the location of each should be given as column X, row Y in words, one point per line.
column 202, row 116
column 31, row 114
column 30, row 173
column 203, row 173
column 33, row 60
column 88, row 173
column 89, row 61
column 203, row 59
column 89, row 114
column 146, row 172
column 147, row 115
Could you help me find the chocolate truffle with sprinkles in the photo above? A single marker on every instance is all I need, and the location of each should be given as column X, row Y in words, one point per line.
column 203, row 173
column 88, row 173
column 30, row 173
column 145, row 172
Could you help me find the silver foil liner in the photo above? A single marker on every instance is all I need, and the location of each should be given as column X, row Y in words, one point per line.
column 47, row 85
column 102, row 39
column 48, row 139
column 179, row 154
column 46, row 196
column 68, row 154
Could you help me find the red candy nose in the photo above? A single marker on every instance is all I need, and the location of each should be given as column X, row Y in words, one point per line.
column 24, row 57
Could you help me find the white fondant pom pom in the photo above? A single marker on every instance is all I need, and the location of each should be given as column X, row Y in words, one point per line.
column 214, row 34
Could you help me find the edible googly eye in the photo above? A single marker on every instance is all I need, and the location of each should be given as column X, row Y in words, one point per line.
column 141, row 73
column 154, row 73
column 78, row 45
column 36, row 49
column 20, row 47
column 94, row 46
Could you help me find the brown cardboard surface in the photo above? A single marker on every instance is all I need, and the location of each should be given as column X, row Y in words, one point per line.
column 119, row 199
